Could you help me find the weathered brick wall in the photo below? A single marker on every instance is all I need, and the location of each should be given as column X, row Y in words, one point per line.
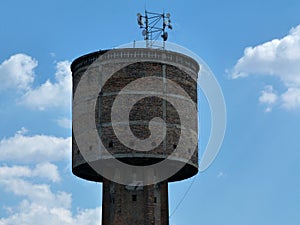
column 178, row 68
column 146, row 205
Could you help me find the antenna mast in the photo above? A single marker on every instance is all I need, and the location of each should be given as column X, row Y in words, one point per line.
column 151, row 29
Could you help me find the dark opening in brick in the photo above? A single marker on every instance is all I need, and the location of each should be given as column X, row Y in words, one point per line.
column 112, row 200
column 134, row 198
column 155, row 199
column 174, row 146
column 110, row 144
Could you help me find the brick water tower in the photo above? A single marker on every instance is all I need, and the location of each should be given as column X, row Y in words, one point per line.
column 117, row 94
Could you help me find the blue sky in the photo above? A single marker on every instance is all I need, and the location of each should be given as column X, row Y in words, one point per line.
column 252, row 47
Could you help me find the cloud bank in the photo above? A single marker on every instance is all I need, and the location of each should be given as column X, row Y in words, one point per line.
column 33, row 183
column 40, row 205
column 30, row 179
column 18, row 73
column 52, row 94
column 279, row 58
column 34, row 149
column 46, row 170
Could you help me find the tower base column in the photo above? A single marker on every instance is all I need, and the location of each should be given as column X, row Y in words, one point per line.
column 135, row 205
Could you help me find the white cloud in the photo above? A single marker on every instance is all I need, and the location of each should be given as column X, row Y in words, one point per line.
column 41, row 205
column 52, row 95
column 17, row 72
column 47, row 170
column 27, row 169
column 35, row 214
column 291, row 98
column 37, row 148
column 279, row 58
column 268, row 97
column 88, row 217
column 38, row 193
column 64, row 123
column 221, row 174
column 44, row 170
column 52, row 54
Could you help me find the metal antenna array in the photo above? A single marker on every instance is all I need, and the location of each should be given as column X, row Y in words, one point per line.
column 151, row 29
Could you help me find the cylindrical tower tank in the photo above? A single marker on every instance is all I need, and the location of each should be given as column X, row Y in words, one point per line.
column 135, row 63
